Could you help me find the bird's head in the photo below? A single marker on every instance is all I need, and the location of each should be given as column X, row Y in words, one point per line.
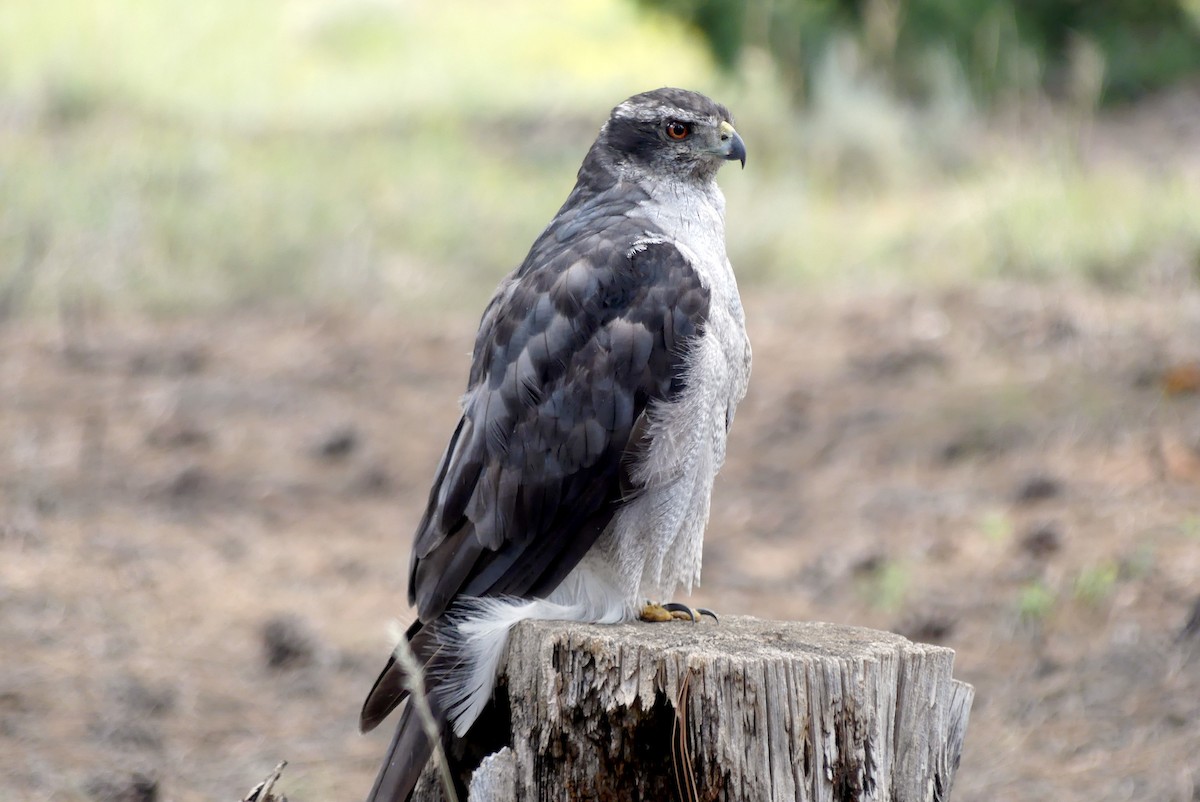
column 672, row 132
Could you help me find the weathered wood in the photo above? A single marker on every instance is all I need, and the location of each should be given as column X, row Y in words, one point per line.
column 741, row 710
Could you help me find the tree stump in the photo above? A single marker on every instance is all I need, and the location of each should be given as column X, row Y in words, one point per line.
column 741, row 710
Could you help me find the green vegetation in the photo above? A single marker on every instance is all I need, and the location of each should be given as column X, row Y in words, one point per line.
column 1116, row 49
column 1035, row 602
column 1190, row 527
column 886, row 585
column 1095, row 584
column 996, row 527
column 168, row 156
column 172, row 155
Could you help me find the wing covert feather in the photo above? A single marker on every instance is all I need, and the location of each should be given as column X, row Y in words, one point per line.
column 572, row 349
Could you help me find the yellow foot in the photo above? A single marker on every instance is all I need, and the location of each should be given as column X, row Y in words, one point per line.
column 673, row 611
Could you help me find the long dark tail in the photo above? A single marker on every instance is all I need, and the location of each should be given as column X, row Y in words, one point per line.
column 406, row 758
column 391, row 686
column 411, row 745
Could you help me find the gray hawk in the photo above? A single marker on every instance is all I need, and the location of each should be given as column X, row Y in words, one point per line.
column 603, row 382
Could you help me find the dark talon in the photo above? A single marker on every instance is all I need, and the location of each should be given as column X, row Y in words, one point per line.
column 676, row 607
column 693, row 614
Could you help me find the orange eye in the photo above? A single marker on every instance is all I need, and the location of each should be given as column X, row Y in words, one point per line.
column 678, row 130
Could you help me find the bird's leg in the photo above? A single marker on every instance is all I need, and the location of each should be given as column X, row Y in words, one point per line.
column 672, row 611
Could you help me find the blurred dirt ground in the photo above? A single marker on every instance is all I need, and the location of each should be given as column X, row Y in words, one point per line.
column 204, row 528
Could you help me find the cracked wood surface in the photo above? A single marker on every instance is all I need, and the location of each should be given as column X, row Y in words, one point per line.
column 742, row 710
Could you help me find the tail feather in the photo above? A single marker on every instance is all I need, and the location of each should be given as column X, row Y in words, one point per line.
column 405, row 761
column 458, row 661
column 412, row 745
column 391, row 686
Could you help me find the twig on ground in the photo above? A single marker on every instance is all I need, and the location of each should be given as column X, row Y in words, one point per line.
column 262, row 791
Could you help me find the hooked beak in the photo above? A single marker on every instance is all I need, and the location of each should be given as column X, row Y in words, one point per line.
column 732, row 147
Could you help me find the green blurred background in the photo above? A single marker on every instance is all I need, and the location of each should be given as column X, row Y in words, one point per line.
column 169, row 155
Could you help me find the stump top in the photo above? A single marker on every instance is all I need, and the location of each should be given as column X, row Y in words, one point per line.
column 736, row 636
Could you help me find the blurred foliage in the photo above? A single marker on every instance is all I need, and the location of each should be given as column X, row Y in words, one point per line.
column 1035, row 602
column 996, row 527
column 1097, row 49
column 886, row 585
column 1095, row 584
column 171, row 155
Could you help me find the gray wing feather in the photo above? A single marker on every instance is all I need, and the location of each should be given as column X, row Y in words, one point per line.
column 572, row 350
